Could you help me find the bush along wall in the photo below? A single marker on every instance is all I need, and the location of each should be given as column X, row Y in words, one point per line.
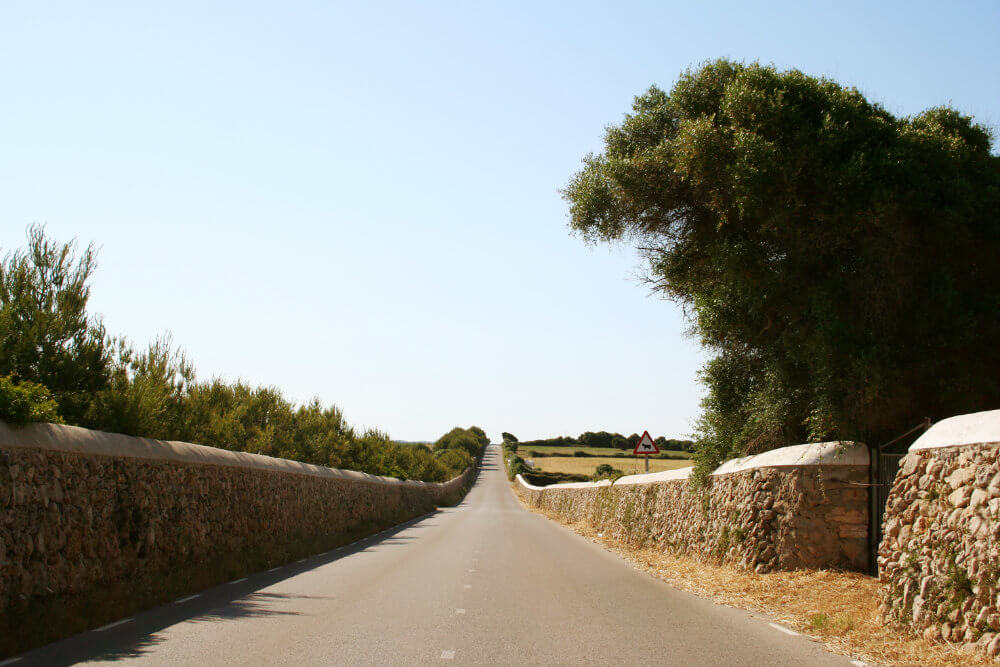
column 96, row 526
column 796, row 507
column 939, row 561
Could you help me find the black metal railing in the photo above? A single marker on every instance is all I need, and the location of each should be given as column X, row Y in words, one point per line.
column 884, row 465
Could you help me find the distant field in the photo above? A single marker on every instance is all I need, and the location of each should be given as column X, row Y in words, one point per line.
column 523, row 452
column 580, row 465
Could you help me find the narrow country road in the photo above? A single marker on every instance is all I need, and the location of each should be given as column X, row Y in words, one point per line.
column 484, row 583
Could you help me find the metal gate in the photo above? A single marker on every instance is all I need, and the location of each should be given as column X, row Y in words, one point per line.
column 888, row 466
column 884, row 466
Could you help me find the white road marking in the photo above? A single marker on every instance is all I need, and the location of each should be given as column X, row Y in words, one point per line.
column 301, row 561
column 785, row 630
column 111, row 625
column 459, row 611
column 239, row 581
column 187, row 599
column 859, row 663
column 274, row 569
column 468, row 585
column 9, row 661
column 471, row 570
column 448, row 655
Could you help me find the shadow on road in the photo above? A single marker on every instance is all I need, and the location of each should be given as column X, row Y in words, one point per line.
column 244, row 599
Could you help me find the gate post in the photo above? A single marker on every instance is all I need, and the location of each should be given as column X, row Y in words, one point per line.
column 874, row 511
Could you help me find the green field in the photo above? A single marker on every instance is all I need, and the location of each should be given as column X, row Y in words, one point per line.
column 581, row 465
column 603, row 452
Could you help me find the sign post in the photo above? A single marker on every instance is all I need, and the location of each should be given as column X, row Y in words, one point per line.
column 646, row 446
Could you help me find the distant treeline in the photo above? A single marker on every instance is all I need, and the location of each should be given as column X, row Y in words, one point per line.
column 599, row 439
column 58, row 364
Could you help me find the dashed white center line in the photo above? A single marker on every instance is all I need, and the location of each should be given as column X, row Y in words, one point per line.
column 187, row 599
column 448, row 655
column 239, row 581
column 459, row 611
column 782, row 629
column 111, row 625
column 274, row 569
column 301, row 561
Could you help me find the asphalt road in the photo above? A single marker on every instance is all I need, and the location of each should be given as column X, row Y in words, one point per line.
column 484, row 583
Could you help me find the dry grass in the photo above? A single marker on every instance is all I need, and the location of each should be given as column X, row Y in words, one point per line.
column 551, row 450
column 586, row 465
column 839, row 609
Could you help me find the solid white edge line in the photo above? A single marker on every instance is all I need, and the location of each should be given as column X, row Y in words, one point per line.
column 239, row 581
column 111, row 625
column 187, row 599
column 9, row 661
column 782, row 629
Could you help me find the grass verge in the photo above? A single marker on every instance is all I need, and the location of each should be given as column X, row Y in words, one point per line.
column 839, row 609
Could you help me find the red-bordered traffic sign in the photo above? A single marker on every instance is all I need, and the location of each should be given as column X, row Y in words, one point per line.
column 646, row 445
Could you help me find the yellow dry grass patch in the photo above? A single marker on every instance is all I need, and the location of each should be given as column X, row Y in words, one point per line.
column 586, row 465
column 837, row 608
column 551, row 450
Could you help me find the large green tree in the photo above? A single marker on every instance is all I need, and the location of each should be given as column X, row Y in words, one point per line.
column 46, row 335
column 839, row 263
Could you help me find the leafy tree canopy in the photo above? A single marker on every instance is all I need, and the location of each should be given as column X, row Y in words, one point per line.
column 839, row 262
column 46, row 336
column 472, row 440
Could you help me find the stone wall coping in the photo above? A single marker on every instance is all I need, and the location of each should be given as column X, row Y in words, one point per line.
column 77, row 440
column 971, row 429
column 811, row 454
column 653, row 477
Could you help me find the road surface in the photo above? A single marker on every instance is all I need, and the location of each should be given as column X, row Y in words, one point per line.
column 484, row 583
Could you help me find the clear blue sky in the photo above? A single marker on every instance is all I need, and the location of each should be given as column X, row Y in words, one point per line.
column 360, row 201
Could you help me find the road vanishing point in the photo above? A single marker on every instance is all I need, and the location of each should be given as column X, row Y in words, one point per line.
column 483, row 583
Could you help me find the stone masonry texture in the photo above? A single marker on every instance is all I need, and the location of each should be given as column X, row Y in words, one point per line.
column 763, row 519
column 939, row 560
column 72, row 523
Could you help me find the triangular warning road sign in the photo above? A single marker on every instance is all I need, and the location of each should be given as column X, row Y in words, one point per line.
column 646, row 445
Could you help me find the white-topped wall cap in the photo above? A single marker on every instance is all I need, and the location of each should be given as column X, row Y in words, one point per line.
column 651, row 477
column 77, row 440
column 971, row 429
column 812, row 454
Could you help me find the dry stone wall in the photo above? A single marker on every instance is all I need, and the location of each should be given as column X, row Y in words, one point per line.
column 939, row 560
column 803, row 506
column 84, row 512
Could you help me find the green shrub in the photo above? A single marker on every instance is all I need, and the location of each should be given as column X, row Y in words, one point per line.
column 606, row 471
column 24, row 402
